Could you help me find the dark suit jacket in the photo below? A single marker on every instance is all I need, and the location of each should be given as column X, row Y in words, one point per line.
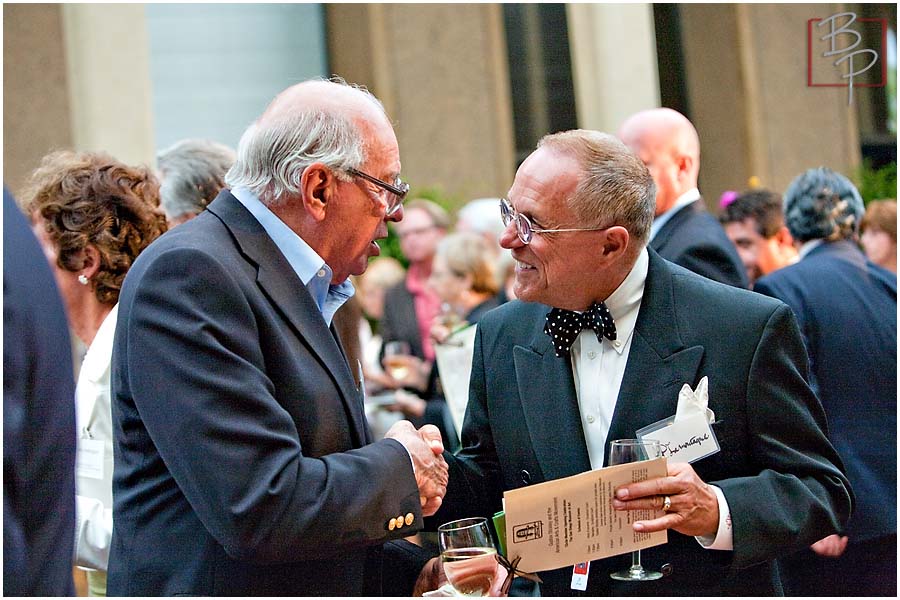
column 781, row 477
column 694, row 239
column 38, row 420
column 847, row 309
column 243, row 458
column 399, row 322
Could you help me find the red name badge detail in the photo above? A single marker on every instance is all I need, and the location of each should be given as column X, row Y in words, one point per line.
column 580, row 576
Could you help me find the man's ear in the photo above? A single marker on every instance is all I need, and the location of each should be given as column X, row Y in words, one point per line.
column 784, row 236
column 685, row 166
column 615, row 243
column 317, row 188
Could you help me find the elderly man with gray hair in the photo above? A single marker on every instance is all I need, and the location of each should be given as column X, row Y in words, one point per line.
column 847, row 309
column 244, row 464
column 192, row 171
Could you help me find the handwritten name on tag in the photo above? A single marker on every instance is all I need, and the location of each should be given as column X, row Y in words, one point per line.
column 686, row 440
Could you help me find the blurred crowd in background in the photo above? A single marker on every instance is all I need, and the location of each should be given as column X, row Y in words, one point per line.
column 440, row 270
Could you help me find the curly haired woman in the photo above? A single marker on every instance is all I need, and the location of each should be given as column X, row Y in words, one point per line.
column 93, row 215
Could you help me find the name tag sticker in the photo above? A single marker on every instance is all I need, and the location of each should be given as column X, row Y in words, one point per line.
column 89, row 458
column 580, row 576
column 687, row 440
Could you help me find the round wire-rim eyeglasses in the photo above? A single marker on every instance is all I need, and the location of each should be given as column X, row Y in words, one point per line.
column 524, row 228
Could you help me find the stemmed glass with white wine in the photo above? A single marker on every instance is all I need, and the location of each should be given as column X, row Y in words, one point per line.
column 620, row 453
column 396, row 359
column 469, row 555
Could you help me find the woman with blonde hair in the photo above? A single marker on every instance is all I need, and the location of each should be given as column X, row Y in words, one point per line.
column 463, row 277
column 93, row 215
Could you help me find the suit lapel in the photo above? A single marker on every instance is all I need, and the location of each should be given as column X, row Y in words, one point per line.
column 551, row 408
column 658, row 361
column 284, row 289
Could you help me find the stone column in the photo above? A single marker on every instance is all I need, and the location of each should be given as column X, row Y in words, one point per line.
column 108, row 64
column 35, row 93
column 613, row 61
column 441, row 72
column 746, row 80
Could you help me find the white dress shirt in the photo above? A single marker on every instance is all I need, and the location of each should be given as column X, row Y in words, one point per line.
column 598, row 368
column 93, row 500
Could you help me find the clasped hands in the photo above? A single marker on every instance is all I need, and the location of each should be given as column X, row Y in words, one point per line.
column 425, row 447
column 693, row 506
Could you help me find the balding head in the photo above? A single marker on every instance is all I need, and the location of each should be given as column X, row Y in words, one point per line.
column 313, row 121
column 313, row 158
column 670, row 147
column 332, row 97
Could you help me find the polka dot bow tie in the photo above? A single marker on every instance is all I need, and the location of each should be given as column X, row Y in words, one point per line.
column 563, row 326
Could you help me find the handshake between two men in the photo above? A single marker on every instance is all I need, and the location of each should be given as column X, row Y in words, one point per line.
column 425, row 448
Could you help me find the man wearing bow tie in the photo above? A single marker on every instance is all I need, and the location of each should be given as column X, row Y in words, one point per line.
column 604, row 336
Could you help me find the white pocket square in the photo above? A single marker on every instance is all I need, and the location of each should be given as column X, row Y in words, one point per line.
column 692, row 402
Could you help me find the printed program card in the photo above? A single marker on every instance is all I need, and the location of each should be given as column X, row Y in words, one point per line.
column 567, row 521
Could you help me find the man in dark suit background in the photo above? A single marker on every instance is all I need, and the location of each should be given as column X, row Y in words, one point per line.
column 847, row 309
column 244, row 464
column 682, row 231
column 38, row 420
column 577, row 217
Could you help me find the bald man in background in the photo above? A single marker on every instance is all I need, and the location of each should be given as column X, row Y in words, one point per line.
column 682, row 231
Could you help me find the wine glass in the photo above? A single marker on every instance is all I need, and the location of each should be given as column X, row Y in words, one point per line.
column 620, row 453
column 395, row 359
column 469, row 555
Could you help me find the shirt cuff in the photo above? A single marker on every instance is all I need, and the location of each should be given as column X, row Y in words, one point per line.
column 723, row 540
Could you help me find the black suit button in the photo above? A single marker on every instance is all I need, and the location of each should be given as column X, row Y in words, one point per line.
column 526, row 477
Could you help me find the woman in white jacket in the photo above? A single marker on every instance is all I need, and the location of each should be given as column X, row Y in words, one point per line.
column 93, row 216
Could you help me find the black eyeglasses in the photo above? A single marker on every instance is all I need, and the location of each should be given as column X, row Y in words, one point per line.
column 396, row 191
column 524, row 228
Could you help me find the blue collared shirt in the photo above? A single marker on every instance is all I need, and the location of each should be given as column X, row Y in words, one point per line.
column 683, row 200
column 307, row 264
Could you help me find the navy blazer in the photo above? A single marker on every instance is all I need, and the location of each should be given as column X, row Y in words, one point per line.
column 780, row 475
column 694, row 239
column 38, row 420
column 847, row 309
column 244, row 463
